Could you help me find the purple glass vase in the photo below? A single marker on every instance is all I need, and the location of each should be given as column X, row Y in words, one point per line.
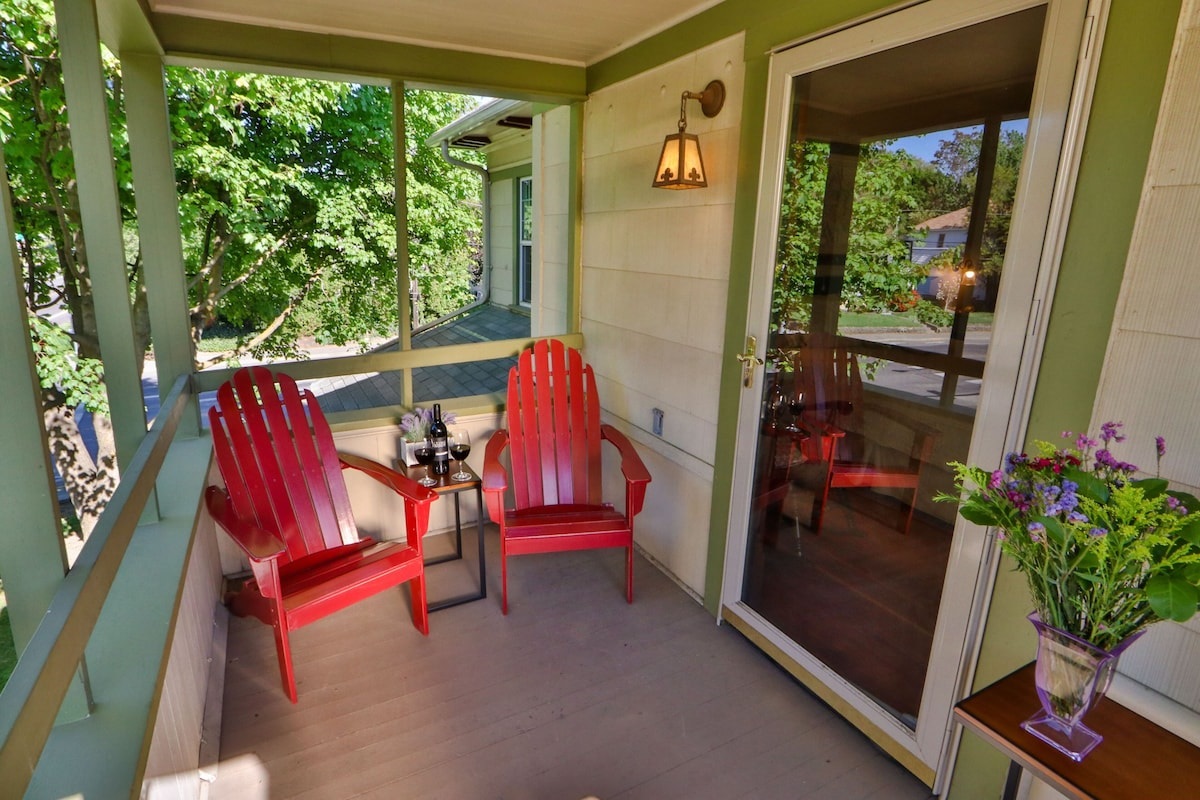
column 1071, row 676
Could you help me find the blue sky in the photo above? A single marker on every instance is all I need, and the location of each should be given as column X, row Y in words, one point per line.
column 926, row 145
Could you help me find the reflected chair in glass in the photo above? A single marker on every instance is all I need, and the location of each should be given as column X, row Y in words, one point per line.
column 833, row 415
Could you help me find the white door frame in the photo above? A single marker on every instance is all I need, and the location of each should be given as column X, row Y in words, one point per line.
column 1061, row 97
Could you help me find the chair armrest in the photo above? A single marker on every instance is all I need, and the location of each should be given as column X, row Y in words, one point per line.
column 495, row 477
column 258, row 545
column 399, row 483
column 417, row 498
column 635, row 472
column 631, row 463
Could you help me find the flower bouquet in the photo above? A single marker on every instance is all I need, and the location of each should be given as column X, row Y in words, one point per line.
column 1105, row 555
column 414, row 428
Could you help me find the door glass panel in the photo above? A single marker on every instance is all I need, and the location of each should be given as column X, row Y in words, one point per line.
column 898, row 186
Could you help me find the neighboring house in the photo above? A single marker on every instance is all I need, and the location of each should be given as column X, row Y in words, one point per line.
column 503, row 131
column 941, row 233
column 663, row 291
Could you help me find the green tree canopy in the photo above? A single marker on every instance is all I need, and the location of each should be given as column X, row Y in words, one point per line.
column 287, row 206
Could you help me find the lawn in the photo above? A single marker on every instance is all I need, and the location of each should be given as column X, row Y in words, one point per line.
column 848, row 320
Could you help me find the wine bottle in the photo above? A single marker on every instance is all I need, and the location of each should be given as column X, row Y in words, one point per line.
column 441, row 446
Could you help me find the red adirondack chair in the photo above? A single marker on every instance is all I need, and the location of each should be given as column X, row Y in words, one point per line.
column 285, row 504
column 554, row 434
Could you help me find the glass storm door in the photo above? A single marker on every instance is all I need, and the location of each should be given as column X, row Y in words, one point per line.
column 895, row 180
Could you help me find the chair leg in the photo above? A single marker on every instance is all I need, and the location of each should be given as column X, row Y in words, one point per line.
column 912, row 506
column 503, row 576
column 420, row 607
column 629, row 574
column 283, row 647
column 820, row 498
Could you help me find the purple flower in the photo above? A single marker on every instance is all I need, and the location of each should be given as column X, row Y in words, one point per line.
column 1085, row 443
column 1160, row 445
column 1036, row 529
column 997, row 480
column 1076, row 518
column 1098, row 532
column 1111, row 432
column 1178, row 507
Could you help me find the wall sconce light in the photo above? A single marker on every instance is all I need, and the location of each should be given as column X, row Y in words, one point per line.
column 680, row 165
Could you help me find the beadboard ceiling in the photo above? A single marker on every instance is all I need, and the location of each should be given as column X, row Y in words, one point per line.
column 560, row 31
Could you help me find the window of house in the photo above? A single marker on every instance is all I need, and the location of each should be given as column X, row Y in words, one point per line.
column 525, row 243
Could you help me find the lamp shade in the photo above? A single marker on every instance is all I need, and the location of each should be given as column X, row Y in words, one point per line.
column 680, row 165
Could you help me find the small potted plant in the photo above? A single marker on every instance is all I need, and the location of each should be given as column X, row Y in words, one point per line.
column 414, row 428
column 1105, row 555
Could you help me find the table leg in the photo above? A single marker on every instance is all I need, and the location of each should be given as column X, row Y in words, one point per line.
column 479, row 536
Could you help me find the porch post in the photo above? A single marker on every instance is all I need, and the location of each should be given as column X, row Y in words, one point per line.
column 830, row 272
column 99, row 208
column 158, row 222
column 575, row 221
column 31, row 542
column 403, row 277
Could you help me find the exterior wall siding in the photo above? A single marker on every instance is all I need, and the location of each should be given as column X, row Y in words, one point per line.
column 551, row 223
column 1155, row 342
column 655, row 281
column 503, row 257
column 173, row 767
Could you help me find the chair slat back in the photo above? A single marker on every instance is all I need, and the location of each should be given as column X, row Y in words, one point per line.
column 830, row 378
column 553, row 427
column 277, row 457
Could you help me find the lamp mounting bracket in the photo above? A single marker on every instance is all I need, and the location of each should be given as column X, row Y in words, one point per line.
column 712, row 99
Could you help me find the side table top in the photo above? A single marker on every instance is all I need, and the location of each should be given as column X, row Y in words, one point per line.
column 1136, row 760
column 444, row 482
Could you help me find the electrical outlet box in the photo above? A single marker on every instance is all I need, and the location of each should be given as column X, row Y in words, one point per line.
column 656, row 421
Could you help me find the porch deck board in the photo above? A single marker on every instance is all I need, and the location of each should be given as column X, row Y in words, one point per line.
column 574, row 693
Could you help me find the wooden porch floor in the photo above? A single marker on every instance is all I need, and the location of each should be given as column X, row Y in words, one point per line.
column 573, row 694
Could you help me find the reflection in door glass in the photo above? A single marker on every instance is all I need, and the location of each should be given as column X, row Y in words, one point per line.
column 898, row 185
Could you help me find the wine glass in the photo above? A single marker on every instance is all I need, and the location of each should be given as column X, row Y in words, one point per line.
column 796, row 406
column 424, row 453
column 460, row 448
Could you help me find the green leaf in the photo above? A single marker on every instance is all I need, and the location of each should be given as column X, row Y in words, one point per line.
column 1191, row 531
column 978, row 515
column 1189, row 501
column 1090, row 486
column 1055, row 529
column 1172, row 597
column 1151, row 487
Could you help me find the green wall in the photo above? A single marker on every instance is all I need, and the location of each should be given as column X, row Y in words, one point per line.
column 1129, row 87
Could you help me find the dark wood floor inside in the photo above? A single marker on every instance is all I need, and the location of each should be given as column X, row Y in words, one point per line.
column 862, row 596
column 573, row 694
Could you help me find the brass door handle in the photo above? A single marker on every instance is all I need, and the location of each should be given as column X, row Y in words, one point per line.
column 749, row 361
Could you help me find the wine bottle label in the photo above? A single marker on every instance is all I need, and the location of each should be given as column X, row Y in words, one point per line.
column 441, row 456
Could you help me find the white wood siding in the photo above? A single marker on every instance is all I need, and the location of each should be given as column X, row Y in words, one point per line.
column 173, row 768
column 655, row 281
column 1151, row 376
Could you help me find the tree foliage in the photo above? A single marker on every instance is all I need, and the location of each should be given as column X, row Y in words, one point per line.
column 878, row 270
column 287, row 197
column 893, row 192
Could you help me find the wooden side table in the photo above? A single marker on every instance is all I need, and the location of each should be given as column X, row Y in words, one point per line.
column 1136, row 760
column 447, row 486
